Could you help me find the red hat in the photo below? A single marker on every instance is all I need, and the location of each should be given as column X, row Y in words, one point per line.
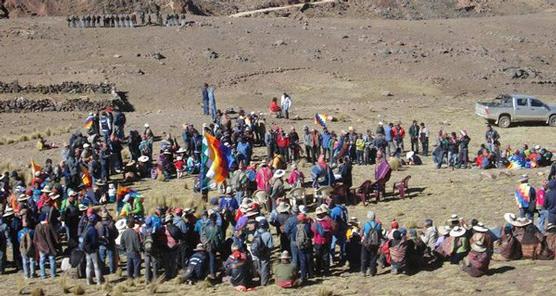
column 394, row 224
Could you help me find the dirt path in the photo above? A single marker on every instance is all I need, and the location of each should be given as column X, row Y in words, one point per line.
column 246, row 13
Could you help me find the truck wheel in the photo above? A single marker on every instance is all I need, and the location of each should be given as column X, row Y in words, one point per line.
column 504, row 121
column 552, row 121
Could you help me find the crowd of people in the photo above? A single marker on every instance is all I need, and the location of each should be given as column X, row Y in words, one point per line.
column 78, row 210
column 125, row 20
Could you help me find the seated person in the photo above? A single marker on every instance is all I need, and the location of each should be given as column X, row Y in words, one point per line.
column 43, row 145
column 275, row 107
column 197, row 269
column 237, row 268
column 477, row 261
column 413, row 159
column 285, row 273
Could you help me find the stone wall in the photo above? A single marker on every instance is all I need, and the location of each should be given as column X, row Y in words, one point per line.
column 64, row 87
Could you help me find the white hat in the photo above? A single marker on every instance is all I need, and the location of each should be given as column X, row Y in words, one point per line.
column 86, row 145
column 121, row 224
column 252, row 213
column 302, row 209
column 71, row 192
column 444, row 230
column 147, row 125
column 54, row 196
column 537, row 147
column 181, row 150
column 179, row 158
column 480, row 227
column 319, row 211
column 143, row 158
column 260, row 219
column 457, row 231
column 8, row 212
column 524, row 178
column 23, row 197
column 82, row 207
column 509, row 217
column 167, row 152
column 200, row 247
column 454, row 218
column 521, row 222
column 279, row 174
column 285, row 255
column 46, row 189
column 126, row 197
column 409, row 155
column 282, row 207
column 229, row 190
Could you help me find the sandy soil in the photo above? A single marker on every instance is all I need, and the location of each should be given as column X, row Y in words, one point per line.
column 435, row 69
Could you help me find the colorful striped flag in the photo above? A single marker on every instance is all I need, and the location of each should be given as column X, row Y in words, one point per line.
column 320, row 119
column 215, row 161
column 35, row 167
column 89, row 121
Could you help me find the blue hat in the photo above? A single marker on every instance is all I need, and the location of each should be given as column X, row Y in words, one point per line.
column 214, row 201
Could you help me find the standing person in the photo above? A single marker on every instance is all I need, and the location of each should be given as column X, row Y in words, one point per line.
column 47, row 243
column 463, row 142
column 212, row 238
column 398, row 134
column 304, row 244
column 27, row 249
column 107, row 240
column 391, row 148
column 212, row 103
column 307, row 144
column 424, row 138
column 131, row 245
column 90, row 245
column 205, row 99
column 261, row 249
column 322, row 234
column 491, row 137
column 414, row 136
column 525, row 196
column 370, row 242
column 315, row 145
column 285, row 104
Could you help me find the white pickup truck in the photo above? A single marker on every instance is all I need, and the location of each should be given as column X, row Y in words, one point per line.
column 507, row 109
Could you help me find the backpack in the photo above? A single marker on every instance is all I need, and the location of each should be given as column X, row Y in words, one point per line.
column 26, row 247
column 302, row 239
column 372, row 238
column 258, row 247
column 148, row 243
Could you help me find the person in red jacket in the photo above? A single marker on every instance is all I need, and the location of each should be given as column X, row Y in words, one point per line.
column 322, row 235
column 275, row 107
column 398, row 133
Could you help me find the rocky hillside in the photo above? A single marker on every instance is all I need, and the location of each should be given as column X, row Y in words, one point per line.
column 392, row 9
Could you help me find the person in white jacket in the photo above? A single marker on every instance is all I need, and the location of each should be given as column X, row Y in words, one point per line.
column 285, row 104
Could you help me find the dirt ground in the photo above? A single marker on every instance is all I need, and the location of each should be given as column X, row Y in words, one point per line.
column 434, row 69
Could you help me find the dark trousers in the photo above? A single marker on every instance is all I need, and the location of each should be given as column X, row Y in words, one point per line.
column 308, row 153
column 212, row 263
column 316, row 153
column 151, row 268
column 415, row 145
column 368, row 259
column 305, row 258
column 425, row 146
column 133, row 265
column 322, row 259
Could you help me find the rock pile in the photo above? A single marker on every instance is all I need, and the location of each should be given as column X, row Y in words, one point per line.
column 64, row 87
column 22, row 105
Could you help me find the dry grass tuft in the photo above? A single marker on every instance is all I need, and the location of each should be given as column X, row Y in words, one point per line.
column 78, row 290
column 119, row 272
column 20, row 284
column 323, row 291
column 37, row 292
column 48, row 132
column 63, row 284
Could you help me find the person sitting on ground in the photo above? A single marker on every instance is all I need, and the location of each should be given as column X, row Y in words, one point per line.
column 179, row 163
column 197, row 268
column 237, row 268
column 460, row 244
column 507, row 247
column 285, row 273
column 275, row 107
column 42, row 144
column 413, row 159
column 477, row 261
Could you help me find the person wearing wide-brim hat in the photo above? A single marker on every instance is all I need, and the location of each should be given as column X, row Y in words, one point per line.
column 460, row 244
column 525, row 196
column 285, row 273
column 197, row 268
column 477, row 261
column 283, row 207
column 277, row 190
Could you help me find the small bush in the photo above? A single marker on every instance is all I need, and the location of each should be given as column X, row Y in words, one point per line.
column 37, row 292
column 78, row 290
column 23, row 138
column 323, row 291
column 48, row 132
column 10, row 141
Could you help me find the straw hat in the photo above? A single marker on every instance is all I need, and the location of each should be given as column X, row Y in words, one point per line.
column 181, row 150
column 444, row 230
column 279, row 174
column 146, row 125
column 509, row 217
column 478, row 246
column 537, row 147
column 453, row 218
column 550, row 226
column 53, row 196
column 521, row 222
column 188, row 211
column 167, row 152
column 23, row 197
column 283, row 207
column 480, row 227
column 46, row 189
column 457, row 231
column 8, row 212
column 252, row 213
column 285, row 255
column 143, row 158
column 71, row 192
column 121, row 224
column 524, row 178
column 131, row 163
column 319, row 211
